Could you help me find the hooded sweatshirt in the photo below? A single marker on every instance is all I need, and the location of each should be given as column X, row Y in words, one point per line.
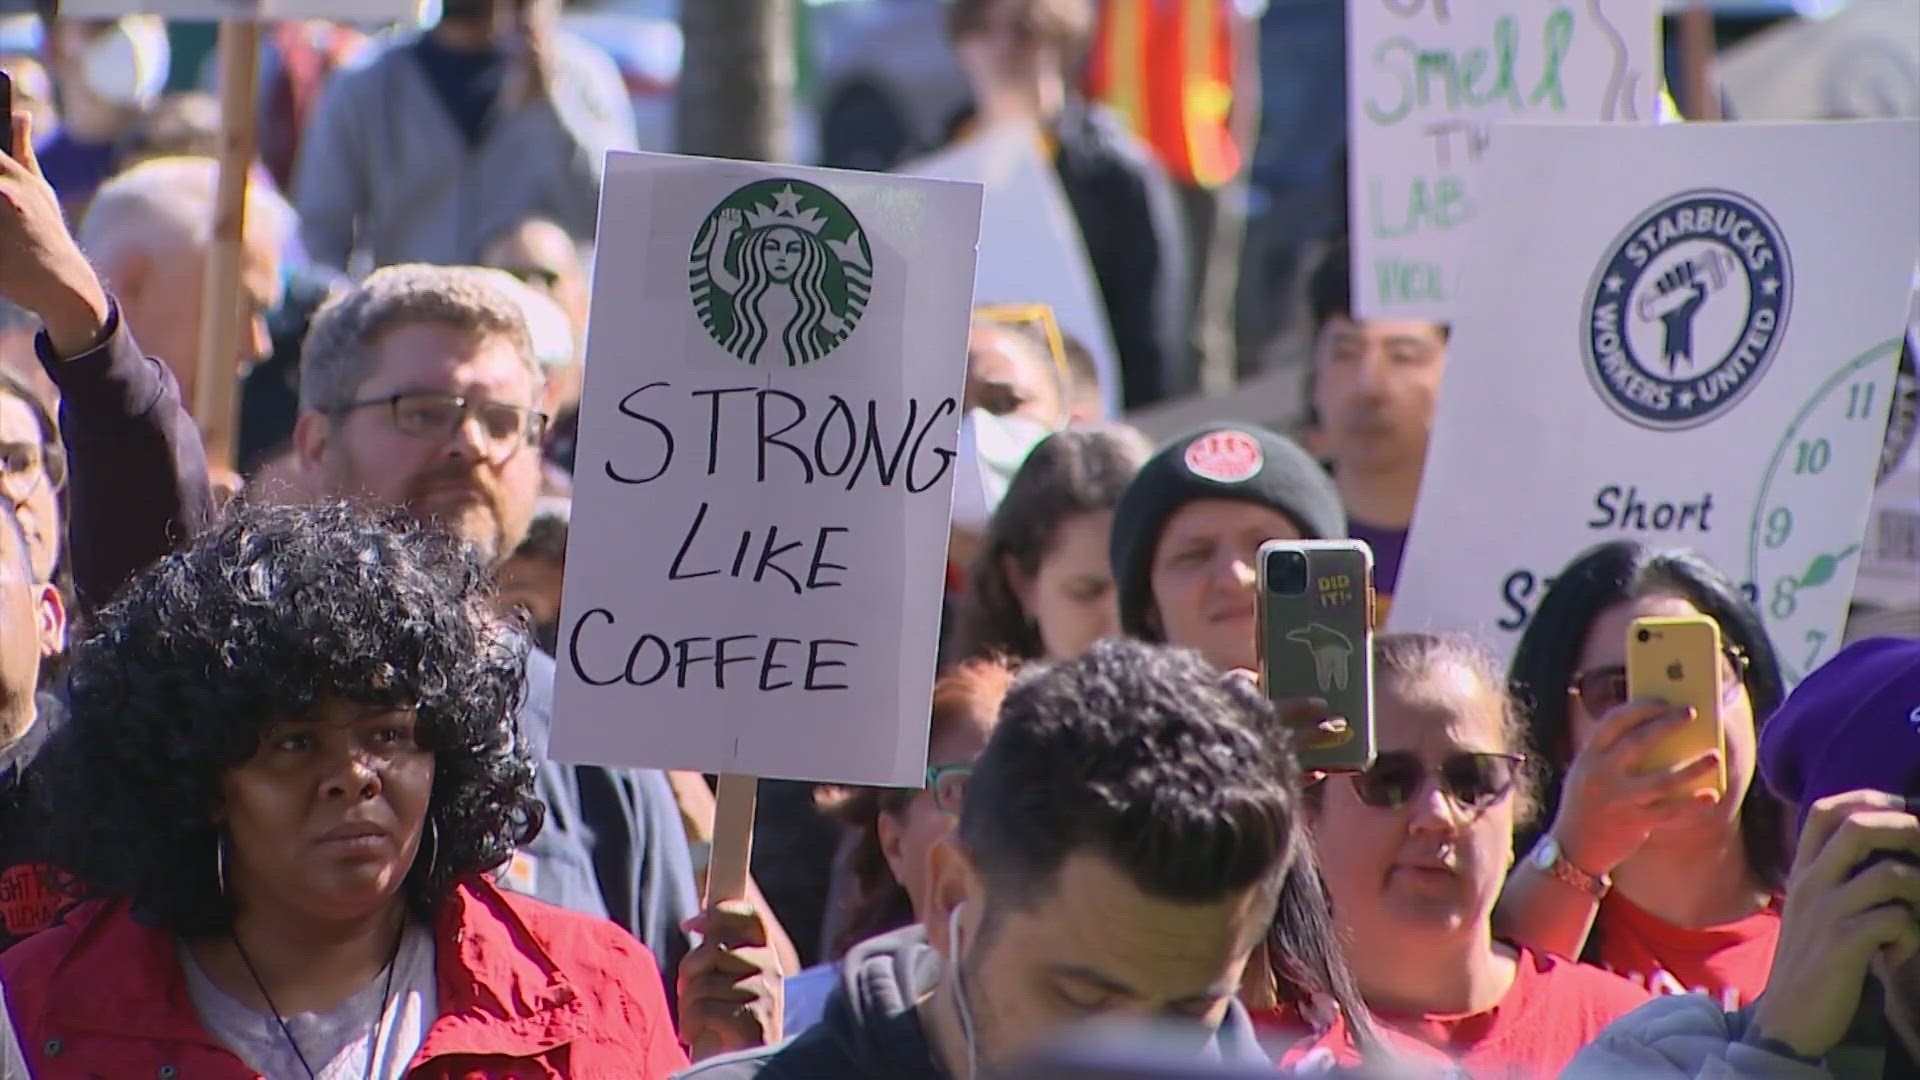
column 872, row 1028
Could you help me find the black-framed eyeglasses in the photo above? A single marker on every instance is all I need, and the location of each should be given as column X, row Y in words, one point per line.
column 948, row 785
column 1603, row 689
column 26, row 466
column 1474, row 781
column 506, row 428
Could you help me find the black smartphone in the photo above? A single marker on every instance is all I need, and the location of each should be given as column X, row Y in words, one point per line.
column 6, row 114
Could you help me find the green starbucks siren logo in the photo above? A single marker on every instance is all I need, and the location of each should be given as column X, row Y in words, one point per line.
column 781, row 271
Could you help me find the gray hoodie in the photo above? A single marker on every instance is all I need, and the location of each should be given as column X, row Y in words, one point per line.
column 872, row 1029
column 1689, row 1037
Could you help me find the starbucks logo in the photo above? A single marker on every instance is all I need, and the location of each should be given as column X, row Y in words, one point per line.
column 1687, row 310
column 781, row 272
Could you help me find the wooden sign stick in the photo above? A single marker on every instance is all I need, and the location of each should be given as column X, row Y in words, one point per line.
column 1696, row 59
column 732, row 850
column 223, row 325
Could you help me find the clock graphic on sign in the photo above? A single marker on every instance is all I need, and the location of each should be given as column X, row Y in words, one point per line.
column 1797, row 561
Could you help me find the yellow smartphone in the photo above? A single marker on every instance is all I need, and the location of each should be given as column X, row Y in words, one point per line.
column 1677, row 660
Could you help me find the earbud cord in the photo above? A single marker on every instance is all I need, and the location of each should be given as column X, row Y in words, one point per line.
column 960, row 993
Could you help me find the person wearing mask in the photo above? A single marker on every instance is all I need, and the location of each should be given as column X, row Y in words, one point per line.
column 1121, row 845
column 150, row 231
column 1041, row 587
column 1014, row 397
column 1374, row 386
column 1843, row 996
column 32, row 629
column 440, row 141
column 288, row 765
column 1020, row 58
column 1187, row 533
column 1414, row 851
column 106, row 73
column 890, row 830
column 1639, row 870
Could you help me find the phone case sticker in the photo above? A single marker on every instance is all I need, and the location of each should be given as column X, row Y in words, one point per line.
column 1225, row 457
column 1332, row 654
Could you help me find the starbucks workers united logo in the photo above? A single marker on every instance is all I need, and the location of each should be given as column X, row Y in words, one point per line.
column 781, row 272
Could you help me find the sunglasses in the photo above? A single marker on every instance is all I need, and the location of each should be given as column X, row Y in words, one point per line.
column 1474, row 781
column 1604, row 689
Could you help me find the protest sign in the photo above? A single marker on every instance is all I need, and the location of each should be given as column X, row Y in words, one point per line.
column 1890, row 557
column 1681, row 335
column 246, row 10
column 1427, row 79
column 1031, row 250
column 773, row 394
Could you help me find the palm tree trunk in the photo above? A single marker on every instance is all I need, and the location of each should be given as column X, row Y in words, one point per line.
column 736, row 83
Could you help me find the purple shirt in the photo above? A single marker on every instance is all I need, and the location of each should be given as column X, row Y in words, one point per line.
column 76, row 169
column 1388, row 546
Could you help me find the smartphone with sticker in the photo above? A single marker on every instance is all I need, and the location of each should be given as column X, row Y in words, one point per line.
column 1680, row 660
column 1315, row 635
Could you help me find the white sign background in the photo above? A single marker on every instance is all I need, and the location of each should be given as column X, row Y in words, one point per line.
column 872, row 578
column 245, row 10
column 1530, row 463
column 1426, row 79
column 1031, row 250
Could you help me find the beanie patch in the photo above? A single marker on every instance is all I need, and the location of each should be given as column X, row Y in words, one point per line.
column 1225, row 457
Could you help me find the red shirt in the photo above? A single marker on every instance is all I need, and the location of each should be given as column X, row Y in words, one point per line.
column 1729, row 962
column 525, row 990
column 1553, row 1009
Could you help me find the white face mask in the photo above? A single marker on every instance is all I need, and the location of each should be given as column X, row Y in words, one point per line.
column 990, row 451
column 126, row 64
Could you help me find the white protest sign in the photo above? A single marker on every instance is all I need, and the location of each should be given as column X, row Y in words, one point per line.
column 767, row 436
column 1682, row 335
column 1426, row 80
column 1031, row 250
column 246, row 10
column 1890, row 558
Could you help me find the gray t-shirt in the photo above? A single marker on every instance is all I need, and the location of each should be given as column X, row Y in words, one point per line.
column 336, row 1042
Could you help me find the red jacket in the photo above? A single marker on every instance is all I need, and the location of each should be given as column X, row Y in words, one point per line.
column 527, row 991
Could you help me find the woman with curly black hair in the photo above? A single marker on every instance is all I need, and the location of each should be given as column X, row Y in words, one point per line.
column 290, row 761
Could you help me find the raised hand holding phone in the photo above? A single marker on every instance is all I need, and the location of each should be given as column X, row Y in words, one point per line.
column 1315, row 630
column 44, row 270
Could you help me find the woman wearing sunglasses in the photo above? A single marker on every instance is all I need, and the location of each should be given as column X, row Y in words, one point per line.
column 1637, row 873
column 1414, row 851
column 889, row 830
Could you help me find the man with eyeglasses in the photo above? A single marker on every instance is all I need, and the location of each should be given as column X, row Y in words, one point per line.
column 419, row 388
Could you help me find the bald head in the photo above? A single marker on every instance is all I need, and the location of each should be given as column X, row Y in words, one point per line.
column 148, row 231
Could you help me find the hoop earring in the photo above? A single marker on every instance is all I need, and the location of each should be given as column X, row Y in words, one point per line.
column 433, row 855
column 220, row 864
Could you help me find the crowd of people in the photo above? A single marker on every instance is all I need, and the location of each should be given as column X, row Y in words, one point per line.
column 274, row 796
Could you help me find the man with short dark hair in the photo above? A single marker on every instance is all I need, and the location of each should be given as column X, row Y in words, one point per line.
column 1121, row 845
column 1373, row 388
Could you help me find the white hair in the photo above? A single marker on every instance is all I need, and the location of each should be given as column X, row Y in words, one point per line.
column 547, row 323
column 166, row 204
